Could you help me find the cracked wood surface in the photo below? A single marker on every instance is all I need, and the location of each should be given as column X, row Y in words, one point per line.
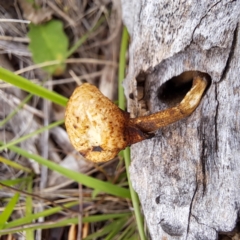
column 188, row 176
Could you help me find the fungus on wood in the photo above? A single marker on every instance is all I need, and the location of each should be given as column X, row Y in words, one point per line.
column 99, row 130
column 187, row 176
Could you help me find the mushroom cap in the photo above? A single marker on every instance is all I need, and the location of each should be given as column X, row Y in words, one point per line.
column 95, row 125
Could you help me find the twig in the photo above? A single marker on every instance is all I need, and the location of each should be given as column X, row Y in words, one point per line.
column 15, row 20
column 70, row 60
column 75, row 77
column 61, row 13
column 15, row 39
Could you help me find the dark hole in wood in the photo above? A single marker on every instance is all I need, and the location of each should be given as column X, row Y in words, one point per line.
column 232, row 234
column 131, row 96
column 172, row 230
column 141, row 77
column 157, row 200
column 174, row 90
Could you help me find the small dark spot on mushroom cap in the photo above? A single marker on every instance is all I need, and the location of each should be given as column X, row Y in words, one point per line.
column 97, row 149
column 75, row 126
column 77, row 119
column 157, row 200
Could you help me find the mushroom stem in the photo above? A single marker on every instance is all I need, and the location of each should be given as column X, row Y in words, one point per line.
column 163, row 118
column 98, row 129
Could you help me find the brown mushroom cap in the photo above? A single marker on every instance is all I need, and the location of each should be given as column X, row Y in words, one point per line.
column 98, row 129
column 95, row 125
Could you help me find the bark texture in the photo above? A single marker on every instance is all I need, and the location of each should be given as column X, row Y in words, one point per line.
column 187, row 176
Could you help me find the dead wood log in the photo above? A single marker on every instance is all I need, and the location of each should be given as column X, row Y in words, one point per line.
column 188, row 175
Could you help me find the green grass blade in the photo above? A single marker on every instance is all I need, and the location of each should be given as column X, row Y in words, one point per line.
column 14, row 165
column 65, row 222
column 30, row 87
column 121, row 68
column 128, row 232
column 135, row 200
column 117, row 228
column 105, row 230
column 29, row 209
column 98, row 218
column 13, row 182
column 25, row 137
column 45, row 225
column 4, row 216
column 126, row 152
column 134, row 237
column 31, row 217
column 78, row 177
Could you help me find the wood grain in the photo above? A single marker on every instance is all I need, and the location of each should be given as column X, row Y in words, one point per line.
column 188, row 176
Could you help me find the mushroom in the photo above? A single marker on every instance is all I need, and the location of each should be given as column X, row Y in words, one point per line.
column 98, row 129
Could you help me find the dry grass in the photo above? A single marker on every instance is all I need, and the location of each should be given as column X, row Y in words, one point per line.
column 103, row 48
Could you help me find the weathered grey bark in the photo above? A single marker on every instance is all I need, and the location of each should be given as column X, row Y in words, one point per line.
column 188, row 176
